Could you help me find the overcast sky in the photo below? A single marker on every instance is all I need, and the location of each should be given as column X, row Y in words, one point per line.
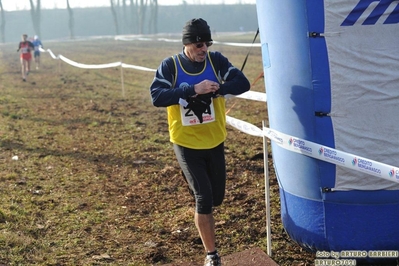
column 10, row 5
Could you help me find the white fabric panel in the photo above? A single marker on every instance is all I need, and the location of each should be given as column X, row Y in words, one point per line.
column 364, row 69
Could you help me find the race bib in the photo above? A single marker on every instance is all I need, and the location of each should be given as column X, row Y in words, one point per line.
column 188, row 117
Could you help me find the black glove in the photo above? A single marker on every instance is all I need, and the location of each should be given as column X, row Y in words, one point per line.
column 199, row 105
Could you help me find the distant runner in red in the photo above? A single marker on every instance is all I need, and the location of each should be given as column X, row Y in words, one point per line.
column 25, row 47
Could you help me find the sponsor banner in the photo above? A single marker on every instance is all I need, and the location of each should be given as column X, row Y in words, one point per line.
column 325, row 153
column 320, row 152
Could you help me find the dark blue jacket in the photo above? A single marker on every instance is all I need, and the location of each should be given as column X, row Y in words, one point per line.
column 163, row 95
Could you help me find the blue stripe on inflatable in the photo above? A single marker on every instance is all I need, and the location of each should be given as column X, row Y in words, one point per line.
column 368, row 227
column 340, row 226
column 303, row 221
column 321, row 86
column 364, row 237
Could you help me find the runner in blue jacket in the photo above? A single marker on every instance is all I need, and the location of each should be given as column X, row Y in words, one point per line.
column 192, row 86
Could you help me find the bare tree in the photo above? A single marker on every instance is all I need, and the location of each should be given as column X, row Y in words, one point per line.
column 2, row 24
column 153, row 22
column 138, row 11
column 141, row 14
column 134, row 21
column 115, row 16
column 71, row 22
column 35, row 13
column 125, row 21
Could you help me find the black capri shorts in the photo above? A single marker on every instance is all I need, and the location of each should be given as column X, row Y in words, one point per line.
column 205, row 173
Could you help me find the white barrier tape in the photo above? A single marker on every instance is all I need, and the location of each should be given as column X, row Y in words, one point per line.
column 86, row 66
column 239, row 44
column 139, row 67
column 49, row 51
column 168, row 40
column 139, row 38
column 320, row 152
column 73, row 63
column 334, row 156
column 250, row 95
column 244, row 126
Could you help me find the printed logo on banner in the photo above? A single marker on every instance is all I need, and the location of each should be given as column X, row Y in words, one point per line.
column 354, row 161
column 331, row 155
column 366, row 166
column 394, row 173
column 273, row 135
column 300, row 145
column 376, row 9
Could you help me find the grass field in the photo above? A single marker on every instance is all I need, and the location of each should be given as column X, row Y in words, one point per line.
column 96, row 181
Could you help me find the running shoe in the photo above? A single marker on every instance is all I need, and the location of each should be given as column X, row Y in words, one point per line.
column 213, row 260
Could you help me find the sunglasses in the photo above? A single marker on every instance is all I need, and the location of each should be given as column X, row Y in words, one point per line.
column 201, row 44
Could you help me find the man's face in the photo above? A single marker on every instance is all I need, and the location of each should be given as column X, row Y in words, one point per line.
column 196, row 52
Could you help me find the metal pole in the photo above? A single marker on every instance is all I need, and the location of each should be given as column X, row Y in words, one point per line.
column 123, row 85
column 267, row 193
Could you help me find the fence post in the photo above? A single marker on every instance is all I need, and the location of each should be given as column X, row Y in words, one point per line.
column 267, row 192
column 122, row 81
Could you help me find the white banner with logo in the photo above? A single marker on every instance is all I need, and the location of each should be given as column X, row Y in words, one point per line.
column 352, row 162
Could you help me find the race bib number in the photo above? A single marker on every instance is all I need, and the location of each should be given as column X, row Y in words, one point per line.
column 188, row 117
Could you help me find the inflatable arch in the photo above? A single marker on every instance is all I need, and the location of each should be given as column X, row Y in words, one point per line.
column 332, row 77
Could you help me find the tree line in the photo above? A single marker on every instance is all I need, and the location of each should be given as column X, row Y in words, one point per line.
column 126, row 14
column 122, row 17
